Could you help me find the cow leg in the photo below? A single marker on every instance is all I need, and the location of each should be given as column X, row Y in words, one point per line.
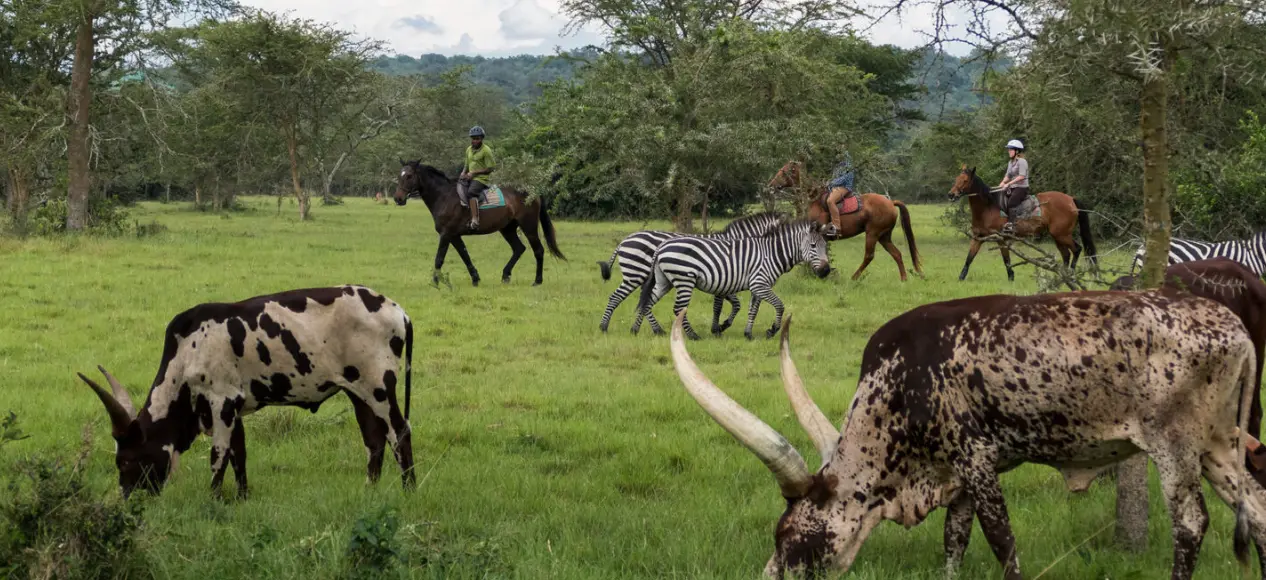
column 224, row 421
column 685, row 291
column 982, row 486
column 400, row 435
column 971, row 255
column 373, row 431
column 957, row 532
column 621, row 293
column 440, row 253
column 511, row 234
column 1006, row 261
column 1179, row 475
column 237, row 454
column 1219, row 465
column 470, row 266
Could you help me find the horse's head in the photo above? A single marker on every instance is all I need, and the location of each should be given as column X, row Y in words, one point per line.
column 963, row 184
column 417, row 179
column 787, row 176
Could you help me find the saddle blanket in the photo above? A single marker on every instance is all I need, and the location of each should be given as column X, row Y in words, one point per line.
column 850, row 204
column 489, row 198
column 1028, row 209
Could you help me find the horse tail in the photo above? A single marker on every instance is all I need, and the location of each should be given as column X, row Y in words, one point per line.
column 550, row 240
column 606, row 266
column 1083, row 223
column 408, row 365
column 909, row 231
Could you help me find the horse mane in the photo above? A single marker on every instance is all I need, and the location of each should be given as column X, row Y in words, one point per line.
column 417, row 165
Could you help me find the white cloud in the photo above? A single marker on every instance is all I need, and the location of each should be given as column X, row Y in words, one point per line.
column 414, row 27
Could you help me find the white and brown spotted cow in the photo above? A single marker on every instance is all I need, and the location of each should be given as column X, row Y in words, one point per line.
column 299, row 348
column 953, row 393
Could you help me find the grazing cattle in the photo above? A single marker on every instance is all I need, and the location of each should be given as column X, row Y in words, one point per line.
column 951, row 394
column 298, row 348
column 1230, row 284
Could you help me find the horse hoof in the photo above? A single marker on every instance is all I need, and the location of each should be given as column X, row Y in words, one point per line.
column 474, row 282
column 505, row 279
column 536, row 283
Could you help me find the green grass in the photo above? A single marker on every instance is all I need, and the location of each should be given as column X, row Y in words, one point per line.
column 545, row 449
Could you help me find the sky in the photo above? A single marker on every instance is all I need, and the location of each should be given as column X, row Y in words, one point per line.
column 507, row 27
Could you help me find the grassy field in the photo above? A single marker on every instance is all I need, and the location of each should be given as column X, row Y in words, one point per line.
column 545, row 449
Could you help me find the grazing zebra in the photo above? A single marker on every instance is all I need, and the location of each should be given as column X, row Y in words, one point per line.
column 1250, row 253
column 724, row 267
column 637, row 250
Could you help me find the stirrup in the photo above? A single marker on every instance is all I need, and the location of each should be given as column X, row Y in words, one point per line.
column 1008, row 228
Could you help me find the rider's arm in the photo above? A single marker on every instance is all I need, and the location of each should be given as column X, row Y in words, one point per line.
column 492, row 164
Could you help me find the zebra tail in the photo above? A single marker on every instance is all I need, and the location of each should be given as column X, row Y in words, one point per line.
column 648, row 291
column 1087, row 239
column 606, row 266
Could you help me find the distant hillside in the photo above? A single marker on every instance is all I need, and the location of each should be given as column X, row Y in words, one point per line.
column 518, row 76
column 953, row 84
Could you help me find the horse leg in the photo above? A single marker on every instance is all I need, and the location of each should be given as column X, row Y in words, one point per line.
column 470, row 266
column 511, row 234
column 538, row 252
column 886, row 240
column 440, row 253
column 1006, row 261
column 870, row 255
column 971, row 255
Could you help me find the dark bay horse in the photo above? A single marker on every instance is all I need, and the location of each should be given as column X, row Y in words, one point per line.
column 451, row 219
column 1060, row 214
column 877, row 218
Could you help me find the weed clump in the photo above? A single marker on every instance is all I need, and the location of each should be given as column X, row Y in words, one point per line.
column 52, row 526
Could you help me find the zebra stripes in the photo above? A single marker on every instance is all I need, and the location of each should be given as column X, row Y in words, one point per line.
column 1250, row 253
column 724, row 267
column 637, row 251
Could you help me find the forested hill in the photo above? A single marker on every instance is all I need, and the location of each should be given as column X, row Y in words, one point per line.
column 949, row 80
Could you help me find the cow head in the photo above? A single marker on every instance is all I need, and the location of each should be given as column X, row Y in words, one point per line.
column 829, row 514
column 142, row 463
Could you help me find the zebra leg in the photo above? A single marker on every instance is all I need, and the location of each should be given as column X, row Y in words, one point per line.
column 734, row 309
column 656, row 329
column 621, row 293
column 685, row 291
column 751, row 315
column 656, row 294
column 718, row 302
column 764, row 292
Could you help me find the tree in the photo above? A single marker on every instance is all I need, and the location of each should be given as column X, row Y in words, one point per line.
column 304, row 79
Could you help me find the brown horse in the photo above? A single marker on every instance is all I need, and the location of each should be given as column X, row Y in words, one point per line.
column 1060, row 213
column 451, row 219
column 877, row 217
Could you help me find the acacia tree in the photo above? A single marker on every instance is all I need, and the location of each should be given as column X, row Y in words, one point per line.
column 690, row 95
column 302, row 78
column 1142, row 42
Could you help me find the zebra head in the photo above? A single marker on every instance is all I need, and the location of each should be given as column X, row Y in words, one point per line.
column 813, row 248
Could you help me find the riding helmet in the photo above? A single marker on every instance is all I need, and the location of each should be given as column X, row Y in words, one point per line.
column 1015, row 144
column 476, row 131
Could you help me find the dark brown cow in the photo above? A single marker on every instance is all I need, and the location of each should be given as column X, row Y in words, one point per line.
column 951, row 394
column 297, row 348
column 1230, row 284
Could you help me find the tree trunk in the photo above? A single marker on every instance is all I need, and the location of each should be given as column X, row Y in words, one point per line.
column 328, row 197
column 1153, row 106
column 77, row 145
column 167, row 193
column 19, row 192
column 293, row 146
column 197, row 196
column 684, row 221
column 703, row 214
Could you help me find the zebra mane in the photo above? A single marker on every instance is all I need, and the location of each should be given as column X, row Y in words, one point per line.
column 789, row 225
column 753, row 218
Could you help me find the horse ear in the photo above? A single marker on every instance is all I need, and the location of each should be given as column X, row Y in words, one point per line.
column 403, row 162
column 973, row 171
column 964, row 168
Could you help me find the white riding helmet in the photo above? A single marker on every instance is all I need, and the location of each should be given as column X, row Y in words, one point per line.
column 1015, row 144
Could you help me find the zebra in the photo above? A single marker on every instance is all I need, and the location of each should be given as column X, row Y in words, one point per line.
column 725, row 267
column 637, row 250
column 1250, row 253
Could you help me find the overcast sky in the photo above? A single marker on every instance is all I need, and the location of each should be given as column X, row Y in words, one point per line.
column 501, row 27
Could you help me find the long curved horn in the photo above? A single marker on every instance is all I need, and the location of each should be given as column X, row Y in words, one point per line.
column 119, row 418
column 770, row 446
column 814, row 421
column 120, row 393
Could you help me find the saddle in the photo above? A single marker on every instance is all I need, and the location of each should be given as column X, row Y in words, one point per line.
column 492, row 197
column 1028, row 209
column 851, row 203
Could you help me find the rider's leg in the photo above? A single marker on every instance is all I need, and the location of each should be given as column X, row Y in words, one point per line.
column 475, row 189
column 832, row 205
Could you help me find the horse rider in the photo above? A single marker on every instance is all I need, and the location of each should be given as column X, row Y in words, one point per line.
column 1014, row 188
column 474, row 179
column 840, row 186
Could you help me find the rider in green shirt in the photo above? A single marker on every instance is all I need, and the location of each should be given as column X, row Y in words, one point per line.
column 474, row 179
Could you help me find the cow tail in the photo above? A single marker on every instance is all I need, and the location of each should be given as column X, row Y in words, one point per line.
column 408, row 366
column 1242, row 540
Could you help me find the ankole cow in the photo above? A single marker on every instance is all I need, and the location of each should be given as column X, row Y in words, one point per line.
column 298, row 348
column 951, row 394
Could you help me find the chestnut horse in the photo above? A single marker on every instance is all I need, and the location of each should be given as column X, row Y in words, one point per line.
column 1060, row 213
column 877, row 217
column 439, row 192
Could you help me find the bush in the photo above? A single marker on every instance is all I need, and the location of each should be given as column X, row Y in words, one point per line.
column 372, row 550
column 105, row 216
column 51, row 525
